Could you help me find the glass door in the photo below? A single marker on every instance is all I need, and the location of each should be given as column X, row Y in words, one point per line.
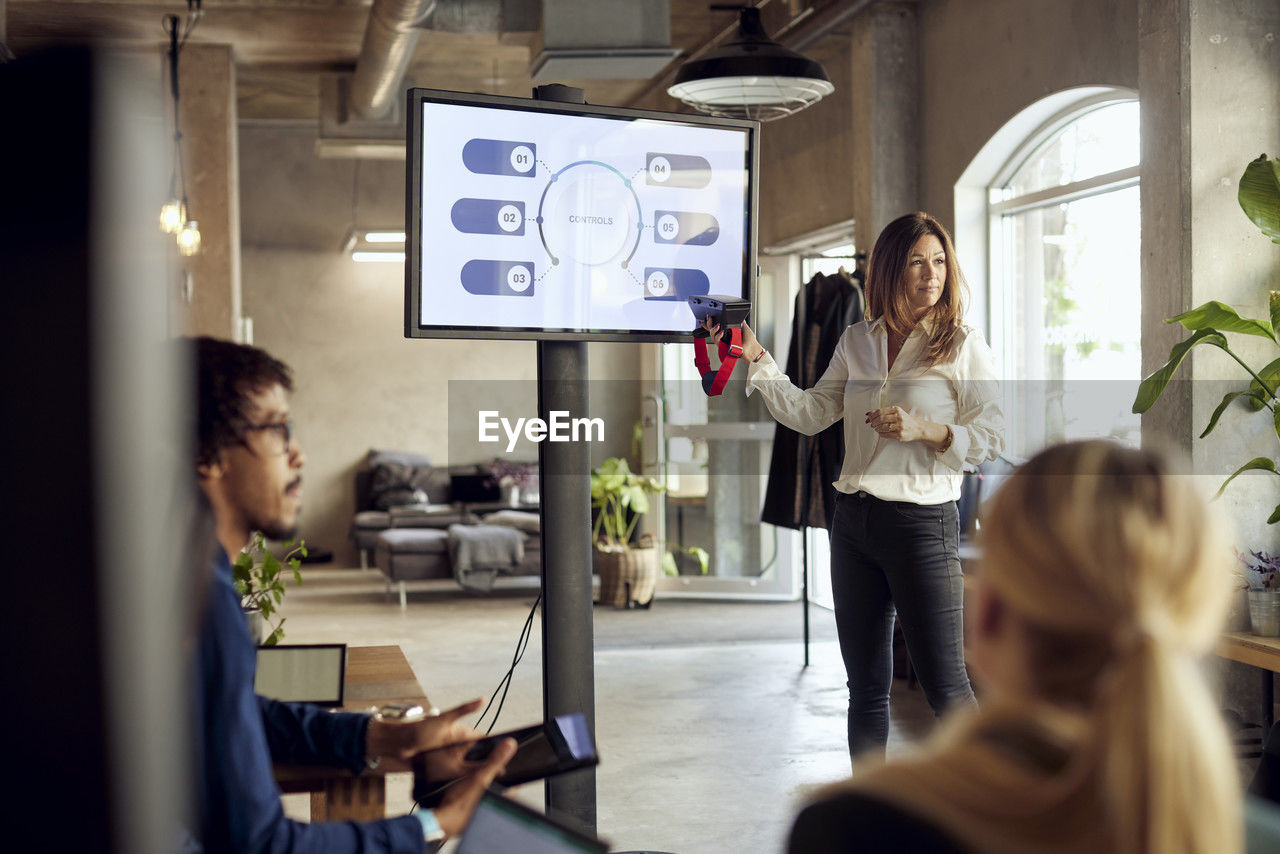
column 714, row 454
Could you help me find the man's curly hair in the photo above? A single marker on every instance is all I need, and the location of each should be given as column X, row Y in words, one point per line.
column 226, row 374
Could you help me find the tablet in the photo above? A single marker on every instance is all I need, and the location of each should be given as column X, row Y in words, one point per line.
column 310, row 673
column 501, row 824
column 543, row 750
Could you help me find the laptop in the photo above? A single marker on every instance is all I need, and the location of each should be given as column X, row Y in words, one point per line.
column 302, row 673
column 500, row 825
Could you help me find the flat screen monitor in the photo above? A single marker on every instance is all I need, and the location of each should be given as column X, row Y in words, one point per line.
column 533, row 219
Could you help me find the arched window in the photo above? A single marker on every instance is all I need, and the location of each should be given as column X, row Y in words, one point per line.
column 1065, row 296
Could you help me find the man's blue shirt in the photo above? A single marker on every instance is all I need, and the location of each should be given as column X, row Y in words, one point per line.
column 240, row 734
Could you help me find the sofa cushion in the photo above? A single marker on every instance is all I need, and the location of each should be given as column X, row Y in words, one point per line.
column 414, row 541
column 372, row 520
column 392, row 484
column 521, row 520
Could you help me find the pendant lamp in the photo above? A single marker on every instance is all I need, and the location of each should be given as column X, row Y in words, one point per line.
column 751, row 77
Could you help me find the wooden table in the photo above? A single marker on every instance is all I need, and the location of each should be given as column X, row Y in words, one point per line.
column 375, row 675
column 1256, row 651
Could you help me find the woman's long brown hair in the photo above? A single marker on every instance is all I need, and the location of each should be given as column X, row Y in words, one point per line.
column 886, row 284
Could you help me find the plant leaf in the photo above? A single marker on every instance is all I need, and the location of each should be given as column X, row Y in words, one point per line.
column 1275, row 516
column 1226, row 400
column 1259, row 195
column 1220, row 317
column 1152, row 387
column 1255, row 464
column 669, row 564
column 1271, row 376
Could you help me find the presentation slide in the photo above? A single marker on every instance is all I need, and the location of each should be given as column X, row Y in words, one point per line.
column 546, row 221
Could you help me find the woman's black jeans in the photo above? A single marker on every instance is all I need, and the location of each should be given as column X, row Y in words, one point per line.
column 889, row 556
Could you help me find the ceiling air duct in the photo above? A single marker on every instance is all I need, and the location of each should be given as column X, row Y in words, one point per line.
column 361, row 113
column 603, row 40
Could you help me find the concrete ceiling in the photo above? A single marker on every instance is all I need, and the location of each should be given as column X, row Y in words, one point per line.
column 281, row 47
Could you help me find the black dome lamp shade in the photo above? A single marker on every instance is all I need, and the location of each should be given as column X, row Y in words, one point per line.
column 751, row 77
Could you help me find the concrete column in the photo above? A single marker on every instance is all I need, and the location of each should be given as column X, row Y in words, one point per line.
column 885, row 93
column 1209, row 83
column 1164, row 91
column 207, row 108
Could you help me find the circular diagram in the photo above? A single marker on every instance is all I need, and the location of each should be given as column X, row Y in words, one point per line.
column 589, row 213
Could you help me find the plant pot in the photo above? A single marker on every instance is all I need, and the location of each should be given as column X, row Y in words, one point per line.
column 628, row 576
column 257, row 626
column 1264, row 612
column 1238, row 617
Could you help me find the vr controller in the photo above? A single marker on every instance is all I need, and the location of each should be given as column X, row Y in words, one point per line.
column 726, row 311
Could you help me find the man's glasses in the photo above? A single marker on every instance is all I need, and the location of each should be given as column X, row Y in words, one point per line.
column 283, row 431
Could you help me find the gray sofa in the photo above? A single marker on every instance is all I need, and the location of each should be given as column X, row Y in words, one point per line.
column 416, row 521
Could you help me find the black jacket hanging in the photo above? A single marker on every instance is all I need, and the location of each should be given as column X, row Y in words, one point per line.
column 799, row 493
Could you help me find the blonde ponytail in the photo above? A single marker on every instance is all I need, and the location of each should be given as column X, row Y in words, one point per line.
column 1164, row 759
column 1118, row 567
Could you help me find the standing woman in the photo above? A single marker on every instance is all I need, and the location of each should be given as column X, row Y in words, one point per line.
column 919, row 396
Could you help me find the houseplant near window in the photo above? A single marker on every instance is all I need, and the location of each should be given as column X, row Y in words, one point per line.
column 258, row 576
column 628, row 573
column 1259, row 197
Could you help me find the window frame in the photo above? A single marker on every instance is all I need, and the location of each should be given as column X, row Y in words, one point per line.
column 1000, row 281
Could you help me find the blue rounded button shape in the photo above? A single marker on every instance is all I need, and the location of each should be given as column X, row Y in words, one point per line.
column 686, row 171
column 488, row 216
column 675, row 284
column 501, row 157
column 687, row 228
column 498, row 278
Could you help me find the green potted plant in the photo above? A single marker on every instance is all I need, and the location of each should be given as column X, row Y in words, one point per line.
column 628, row 572
column 1262, row 572
column 259, row 576
column 700, row 557
column 1259, row 197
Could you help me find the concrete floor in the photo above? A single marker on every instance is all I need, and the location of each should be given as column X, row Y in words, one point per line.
column 710, row 731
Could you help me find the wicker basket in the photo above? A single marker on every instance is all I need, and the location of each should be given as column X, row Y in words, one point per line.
column 627, row 576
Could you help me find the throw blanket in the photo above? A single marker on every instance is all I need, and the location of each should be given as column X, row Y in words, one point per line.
column 480, row 552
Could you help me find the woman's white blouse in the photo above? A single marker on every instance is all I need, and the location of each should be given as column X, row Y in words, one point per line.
column 962, row 392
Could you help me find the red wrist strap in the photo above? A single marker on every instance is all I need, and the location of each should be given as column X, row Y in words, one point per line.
column 713, row 383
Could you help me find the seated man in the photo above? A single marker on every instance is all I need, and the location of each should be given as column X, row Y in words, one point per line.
column 248, row 466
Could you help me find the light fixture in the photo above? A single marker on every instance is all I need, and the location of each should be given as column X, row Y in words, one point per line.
column 375, row 244
column 751, row 77
column 173, row 214
column 365, row 245
column 189, row 238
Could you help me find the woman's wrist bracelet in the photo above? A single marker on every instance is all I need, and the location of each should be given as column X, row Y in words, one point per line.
column 946, row 443
column 759, row 356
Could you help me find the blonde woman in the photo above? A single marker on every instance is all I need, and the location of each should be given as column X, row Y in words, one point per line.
column 1103, row 581
column 920, row 399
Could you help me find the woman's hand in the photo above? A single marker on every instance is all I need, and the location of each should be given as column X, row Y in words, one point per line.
column 894, row 422
column 751, row 348
column 403, row 739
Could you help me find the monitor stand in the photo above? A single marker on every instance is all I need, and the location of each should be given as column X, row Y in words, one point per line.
column 568, row 669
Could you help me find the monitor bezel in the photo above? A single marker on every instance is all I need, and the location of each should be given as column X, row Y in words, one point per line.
column 413, row 213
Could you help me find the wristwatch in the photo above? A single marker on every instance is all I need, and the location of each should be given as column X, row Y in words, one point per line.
column 404, row 712
column 431, row 829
